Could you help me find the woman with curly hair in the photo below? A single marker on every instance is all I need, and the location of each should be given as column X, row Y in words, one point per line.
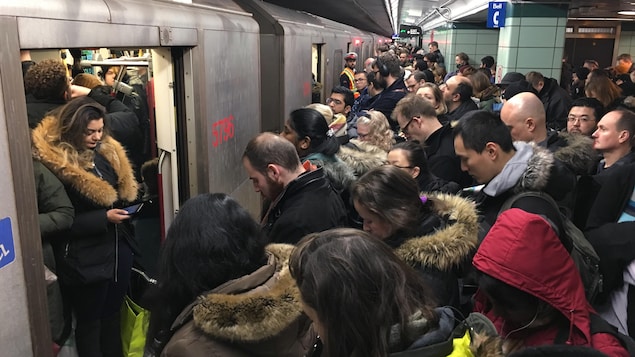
column 373, row 128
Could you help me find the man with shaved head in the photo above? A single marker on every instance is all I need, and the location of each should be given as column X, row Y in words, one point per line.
column 299, row 199
column 524, row 115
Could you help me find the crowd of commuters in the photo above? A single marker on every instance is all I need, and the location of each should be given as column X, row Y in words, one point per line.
column 386, row 226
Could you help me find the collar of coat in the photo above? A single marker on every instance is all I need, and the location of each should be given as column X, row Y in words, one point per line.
column 257, row 314
column 449, row 246
column 46, row 150
column 537, row 174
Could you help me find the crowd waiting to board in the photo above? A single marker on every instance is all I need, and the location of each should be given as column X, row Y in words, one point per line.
column 420, row 210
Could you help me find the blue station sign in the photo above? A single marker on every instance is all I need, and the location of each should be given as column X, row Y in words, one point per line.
column 7, row 249
column 496, row 14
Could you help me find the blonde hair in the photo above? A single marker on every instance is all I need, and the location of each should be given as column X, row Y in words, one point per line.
column 438, row 97
column 379, row 133
column 324, row 109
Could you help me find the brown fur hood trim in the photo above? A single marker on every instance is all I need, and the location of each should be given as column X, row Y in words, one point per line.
column 449, row 246
column 366, row 158
column 486, row 346
column 578, row 155
column 255, row 315
column 47, row 151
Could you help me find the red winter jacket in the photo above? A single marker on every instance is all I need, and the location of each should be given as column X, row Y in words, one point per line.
column 523, row 251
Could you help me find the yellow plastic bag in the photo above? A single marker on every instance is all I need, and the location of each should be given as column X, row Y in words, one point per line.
column 134, row 326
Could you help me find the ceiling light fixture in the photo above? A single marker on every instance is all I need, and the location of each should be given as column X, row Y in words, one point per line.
column 627, row 12
column 414, row 13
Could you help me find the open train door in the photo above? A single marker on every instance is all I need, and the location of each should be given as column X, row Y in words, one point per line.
column 165, row 118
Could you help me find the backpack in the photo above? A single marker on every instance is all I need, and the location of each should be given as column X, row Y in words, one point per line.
column 584, row 256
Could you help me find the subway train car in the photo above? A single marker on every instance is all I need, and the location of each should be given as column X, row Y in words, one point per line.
column 221, row 72
column 294, row 45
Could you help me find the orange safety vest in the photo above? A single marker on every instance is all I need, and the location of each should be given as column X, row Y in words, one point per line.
column 351, row 79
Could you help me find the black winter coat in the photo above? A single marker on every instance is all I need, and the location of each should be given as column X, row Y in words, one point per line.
column 442, row 159
column 87, row 252
column 607, row 194
column 556, row 102
column 308, row 204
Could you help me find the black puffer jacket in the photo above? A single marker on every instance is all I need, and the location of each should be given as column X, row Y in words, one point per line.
column 308, row 204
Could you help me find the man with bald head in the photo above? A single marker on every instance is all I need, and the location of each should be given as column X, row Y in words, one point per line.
column 524, row 115
column 299, row 199
column 457, row 95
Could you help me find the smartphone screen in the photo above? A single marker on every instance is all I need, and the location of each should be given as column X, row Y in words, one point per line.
column 134, row 208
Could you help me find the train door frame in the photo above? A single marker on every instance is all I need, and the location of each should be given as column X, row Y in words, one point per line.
column 338, row 65
column 318, row 67
column 166, row 129
column 23, row 214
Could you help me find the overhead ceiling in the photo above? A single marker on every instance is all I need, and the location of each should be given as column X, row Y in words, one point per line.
column 463, row 10
column 368, row 15
column 375, row 15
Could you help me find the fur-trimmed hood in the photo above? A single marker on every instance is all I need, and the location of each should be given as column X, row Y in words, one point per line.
column 578, row 155
column 255, row 313
column 46, row 149
column 536, row 176
column 448, row 247
column 362, row 159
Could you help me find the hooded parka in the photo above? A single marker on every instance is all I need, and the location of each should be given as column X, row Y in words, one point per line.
column 255, row 315
column 523, row 251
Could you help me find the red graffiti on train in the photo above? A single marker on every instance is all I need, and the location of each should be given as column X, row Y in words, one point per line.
column 223, row 130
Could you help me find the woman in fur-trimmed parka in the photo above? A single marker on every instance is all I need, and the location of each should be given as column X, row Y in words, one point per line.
column 221, row 292
column 435, row 234
column 94, row 257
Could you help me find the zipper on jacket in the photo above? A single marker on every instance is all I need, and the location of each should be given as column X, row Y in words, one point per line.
column 116, row 252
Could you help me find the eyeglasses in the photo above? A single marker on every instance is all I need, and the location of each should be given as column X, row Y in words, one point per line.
column 573, row 119
column 405, row 128
column 332, row 100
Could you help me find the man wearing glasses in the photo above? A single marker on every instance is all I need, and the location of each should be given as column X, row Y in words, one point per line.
column 418, row 121
column 361, row 83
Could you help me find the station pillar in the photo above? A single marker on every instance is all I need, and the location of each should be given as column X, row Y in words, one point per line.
column 532, row 40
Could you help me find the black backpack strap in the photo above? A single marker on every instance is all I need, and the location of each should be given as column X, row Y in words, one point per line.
column 630, row 310
column 600, row 325
column 543, row 205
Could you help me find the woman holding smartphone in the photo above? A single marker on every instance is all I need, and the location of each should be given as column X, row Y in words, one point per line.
column 94, row 257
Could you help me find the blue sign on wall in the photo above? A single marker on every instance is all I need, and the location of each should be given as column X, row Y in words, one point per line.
column 7, row 250
column 496, row 14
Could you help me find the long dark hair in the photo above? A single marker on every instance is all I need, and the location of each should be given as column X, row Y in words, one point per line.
column 358, row 288
column 393, row 195
column 416, row 156
column 74, row 118
column 211, row 241
column 310, row 123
